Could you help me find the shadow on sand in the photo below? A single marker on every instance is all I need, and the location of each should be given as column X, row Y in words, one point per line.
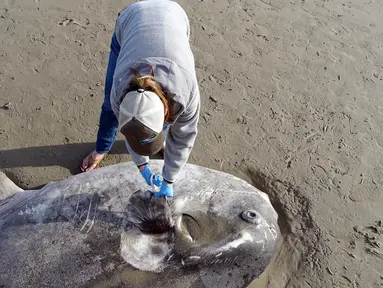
column 68, row 156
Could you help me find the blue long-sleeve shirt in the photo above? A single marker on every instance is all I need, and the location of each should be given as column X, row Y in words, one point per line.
column 157, row 32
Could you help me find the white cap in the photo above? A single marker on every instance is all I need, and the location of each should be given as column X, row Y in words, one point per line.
column 141, row 120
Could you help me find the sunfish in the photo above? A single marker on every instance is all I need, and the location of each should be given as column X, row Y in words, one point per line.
column 104, row 228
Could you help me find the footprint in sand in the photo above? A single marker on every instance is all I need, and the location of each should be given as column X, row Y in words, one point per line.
column 373, row 238
column 68, row 21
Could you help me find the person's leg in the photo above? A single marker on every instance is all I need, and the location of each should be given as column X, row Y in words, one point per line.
column 108, row 122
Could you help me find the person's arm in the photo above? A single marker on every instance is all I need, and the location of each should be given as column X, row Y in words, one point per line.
column 143, row 166
column 180, row 139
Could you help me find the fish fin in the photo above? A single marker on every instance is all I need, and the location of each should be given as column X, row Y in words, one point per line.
column 7, row 187
column 150, row 214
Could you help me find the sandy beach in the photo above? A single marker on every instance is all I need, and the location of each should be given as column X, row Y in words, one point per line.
column 292, row 101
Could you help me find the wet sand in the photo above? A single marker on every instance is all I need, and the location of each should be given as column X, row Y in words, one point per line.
column 292, row 102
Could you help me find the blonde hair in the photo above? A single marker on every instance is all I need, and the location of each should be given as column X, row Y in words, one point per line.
column 149, row 83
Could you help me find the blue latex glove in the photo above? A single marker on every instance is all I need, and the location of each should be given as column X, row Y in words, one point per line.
column 149, row 176
column 165, row 190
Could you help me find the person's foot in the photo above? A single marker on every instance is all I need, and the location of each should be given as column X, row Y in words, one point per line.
column 91, row 161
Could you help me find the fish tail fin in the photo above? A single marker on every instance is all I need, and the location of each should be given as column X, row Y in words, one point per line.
column 7, row 187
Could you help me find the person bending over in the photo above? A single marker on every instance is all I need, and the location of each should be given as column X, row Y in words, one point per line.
column 151, row 91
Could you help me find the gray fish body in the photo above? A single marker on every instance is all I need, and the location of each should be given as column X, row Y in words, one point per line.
column 83, row 231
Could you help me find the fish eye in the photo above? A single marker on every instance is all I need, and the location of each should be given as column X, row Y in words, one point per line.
column 251, row 216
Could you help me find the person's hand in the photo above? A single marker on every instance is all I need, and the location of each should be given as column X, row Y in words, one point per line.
column 149, row 177
column 165, row 190
column 91, row 161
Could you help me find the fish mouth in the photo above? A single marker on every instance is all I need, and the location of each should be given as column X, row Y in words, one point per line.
column 203, row 239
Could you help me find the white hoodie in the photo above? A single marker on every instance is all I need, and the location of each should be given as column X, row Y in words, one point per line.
column 157, row 32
